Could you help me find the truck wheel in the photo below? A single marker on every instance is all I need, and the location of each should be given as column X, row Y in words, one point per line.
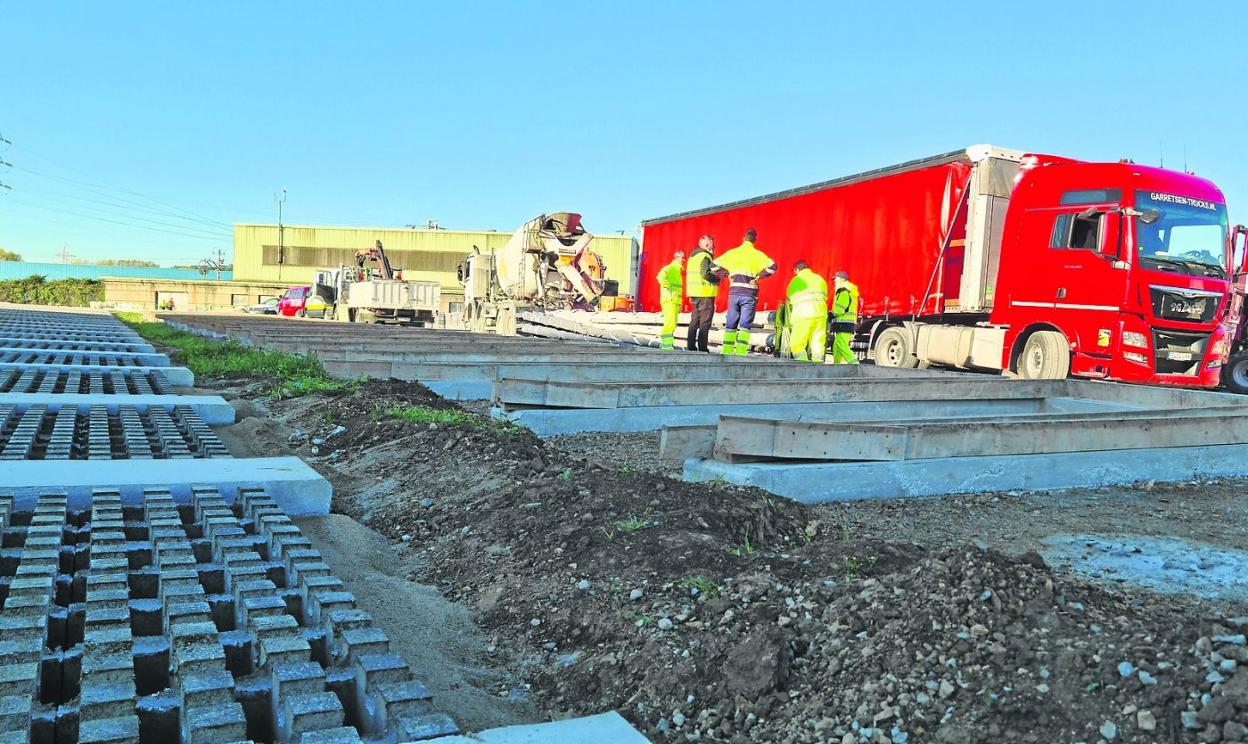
column 303, row 313
column 1235, row 373
column 1046, row 356
column 893, row 349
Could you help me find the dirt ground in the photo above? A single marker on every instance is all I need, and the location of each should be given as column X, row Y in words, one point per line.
column 708, row 612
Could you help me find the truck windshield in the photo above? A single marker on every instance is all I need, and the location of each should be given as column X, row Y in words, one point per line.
column 1189, row 237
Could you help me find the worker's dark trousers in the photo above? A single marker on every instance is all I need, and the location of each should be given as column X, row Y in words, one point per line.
column 700, row 322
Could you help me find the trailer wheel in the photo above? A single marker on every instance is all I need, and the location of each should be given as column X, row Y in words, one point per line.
column 1235, row 373
column 893, row 349
column 1046, row 356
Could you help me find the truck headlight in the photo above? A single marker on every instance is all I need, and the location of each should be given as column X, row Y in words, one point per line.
column 1133, row 357
column 1132, row 338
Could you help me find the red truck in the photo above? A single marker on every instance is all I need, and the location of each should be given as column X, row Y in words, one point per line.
column 995, row 259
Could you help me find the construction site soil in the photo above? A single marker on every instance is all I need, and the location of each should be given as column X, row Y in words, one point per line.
column 711, row 612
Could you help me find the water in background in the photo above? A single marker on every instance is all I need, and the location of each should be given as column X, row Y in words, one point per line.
column 23, row 269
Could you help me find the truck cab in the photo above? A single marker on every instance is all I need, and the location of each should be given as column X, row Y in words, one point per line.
column 1113, row 270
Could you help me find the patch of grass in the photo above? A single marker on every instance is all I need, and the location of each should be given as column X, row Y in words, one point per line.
column 705, row 586
column 292, row 375
column 746, row 549
column 642, row 620
column 633, row 524
column 565, row 475
column 424, row 415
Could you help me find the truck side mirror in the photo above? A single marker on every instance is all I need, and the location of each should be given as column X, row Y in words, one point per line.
column 1239, row 242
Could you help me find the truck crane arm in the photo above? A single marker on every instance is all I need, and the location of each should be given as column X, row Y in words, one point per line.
column 378, row 255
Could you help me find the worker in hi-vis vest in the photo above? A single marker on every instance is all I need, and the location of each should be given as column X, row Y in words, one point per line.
column 701, row 286
column 808, row 314
column 670, row 297
column 844, row 319
column 744, row 266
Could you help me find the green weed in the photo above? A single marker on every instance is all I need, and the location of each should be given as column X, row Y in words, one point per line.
column 642, row 620
column 746, row 549
column 851, row 565
column 609, row 534
column 633, row 524
column 424, row 415
column 705, row 587
column 565, row 475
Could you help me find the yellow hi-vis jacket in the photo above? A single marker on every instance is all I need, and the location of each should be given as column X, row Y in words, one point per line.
column 845, row 304
column 670, row 280
column 808, row 296
column 697, row 271
column 745, row 265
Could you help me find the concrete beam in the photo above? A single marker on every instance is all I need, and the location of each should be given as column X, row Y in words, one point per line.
column 213, row 409
column 180, row 376
column 738, row 437
column 145, row 359
column 604, row 728
column 297, row 488
column 814, row 483
column 551, row 422
column 707, row 368
column 57, row 344
column 512, row 394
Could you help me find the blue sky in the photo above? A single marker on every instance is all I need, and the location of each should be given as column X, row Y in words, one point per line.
column 144, row 129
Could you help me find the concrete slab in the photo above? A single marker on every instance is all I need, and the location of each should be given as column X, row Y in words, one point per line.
column 179, row 376
column 604, row 728
column 549, row 422
column 138, row 358
column 677, row 368
column 813, row 483
column 213, row 409
column 297, row 488
column 739, row 437
column 521, row 393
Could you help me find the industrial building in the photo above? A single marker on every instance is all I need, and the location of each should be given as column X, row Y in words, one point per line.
column 268, row 259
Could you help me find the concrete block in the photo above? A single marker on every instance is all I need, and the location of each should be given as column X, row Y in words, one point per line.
column 121, row 730
column 205, row 689
column 846, row 481
column 216, row 724
column 605, row 728
column 15, row 712
column 19, row 679
column 297, row 488
column 306, row 712
column 425, row 727
column 341, row 735
column 99, row 700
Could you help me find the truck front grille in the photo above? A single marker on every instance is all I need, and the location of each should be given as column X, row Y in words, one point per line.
column 1173, row 303
column 1178, row 352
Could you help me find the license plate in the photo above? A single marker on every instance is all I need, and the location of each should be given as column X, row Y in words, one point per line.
column 1179, row 356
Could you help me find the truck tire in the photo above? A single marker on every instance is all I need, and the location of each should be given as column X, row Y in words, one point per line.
column 893, row 348
column 1235, row 373
column 1046, row 356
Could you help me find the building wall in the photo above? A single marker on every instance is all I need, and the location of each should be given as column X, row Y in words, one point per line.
column 188, row 294
column 427, row 255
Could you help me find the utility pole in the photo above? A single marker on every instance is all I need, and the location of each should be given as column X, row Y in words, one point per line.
column 281, row 233
column 64, row 254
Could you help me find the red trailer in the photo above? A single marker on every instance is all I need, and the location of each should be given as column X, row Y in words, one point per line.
column 987, row 258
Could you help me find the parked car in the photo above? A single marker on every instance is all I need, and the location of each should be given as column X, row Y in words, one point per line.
column 301, row 302
column 268, row 307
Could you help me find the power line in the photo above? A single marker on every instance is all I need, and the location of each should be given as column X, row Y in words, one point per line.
column 214, row 238
column 58, row 200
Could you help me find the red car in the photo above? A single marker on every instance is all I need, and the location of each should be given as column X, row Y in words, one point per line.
column 299, row 301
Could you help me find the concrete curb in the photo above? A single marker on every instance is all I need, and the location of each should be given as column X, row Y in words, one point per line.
column 213, row 409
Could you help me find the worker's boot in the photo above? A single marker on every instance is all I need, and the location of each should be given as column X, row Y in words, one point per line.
column 743, row 343
column 730, row 343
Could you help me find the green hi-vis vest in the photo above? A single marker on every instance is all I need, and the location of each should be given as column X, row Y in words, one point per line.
column 669, row 279
column 696, row 284
column 808, row 296
column 845, row 306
